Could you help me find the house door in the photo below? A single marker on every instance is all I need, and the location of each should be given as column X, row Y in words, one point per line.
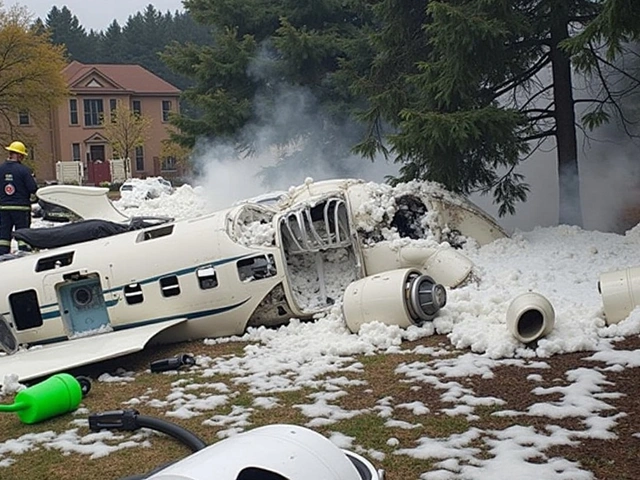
column 96, row 153
column 97, row 166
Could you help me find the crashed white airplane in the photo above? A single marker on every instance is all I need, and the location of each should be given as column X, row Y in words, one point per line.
column 109, row 285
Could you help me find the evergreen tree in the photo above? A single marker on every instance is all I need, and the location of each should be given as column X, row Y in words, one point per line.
column 143, row 36
column 110, row 44
column 497, row 78
column 38, row 27
column 146, row 34
column 64, row 29
column 265, row 53
column 381, row 71
column 140, row 41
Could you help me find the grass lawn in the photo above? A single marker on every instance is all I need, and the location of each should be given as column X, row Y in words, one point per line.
column 373, row 403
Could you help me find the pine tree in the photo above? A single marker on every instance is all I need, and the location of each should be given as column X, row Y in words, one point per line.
column 110, row 44
column 266, row 54
column 64, row 29
column 497, row 79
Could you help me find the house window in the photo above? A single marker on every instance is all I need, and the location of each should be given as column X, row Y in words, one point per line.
column 135, row 106
column 23, row 118
column 93, row 111
column 113, row 104
column 166, row 108
column 73, row 111
column 75, row 152
column 139, row 158
column 168, row 164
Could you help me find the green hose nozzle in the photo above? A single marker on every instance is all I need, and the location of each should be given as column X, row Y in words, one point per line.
column 57, row 395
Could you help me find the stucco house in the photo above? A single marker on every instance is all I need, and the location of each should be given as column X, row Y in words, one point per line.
column 75, row 131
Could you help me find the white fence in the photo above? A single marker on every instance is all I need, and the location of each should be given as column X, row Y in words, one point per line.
column 69, row 173
column 73, row 173
column 120, row 169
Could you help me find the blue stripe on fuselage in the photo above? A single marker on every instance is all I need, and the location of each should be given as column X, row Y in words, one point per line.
column 188, row 316
column 178, row 273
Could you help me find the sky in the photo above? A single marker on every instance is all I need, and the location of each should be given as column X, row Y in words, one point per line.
column 98, row 15
column 563, row 264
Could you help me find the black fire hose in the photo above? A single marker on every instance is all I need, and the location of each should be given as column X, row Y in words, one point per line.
column 130, row 420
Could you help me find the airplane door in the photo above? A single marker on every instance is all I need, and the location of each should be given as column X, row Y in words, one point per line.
column 83, row 308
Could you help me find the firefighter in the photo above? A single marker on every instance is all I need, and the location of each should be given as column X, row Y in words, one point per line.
column 16, row 187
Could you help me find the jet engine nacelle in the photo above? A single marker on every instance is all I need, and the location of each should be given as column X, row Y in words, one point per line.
column 620, row 291
column 402, row 297
column 445, row 265
column 530, row 317
column 272, row 452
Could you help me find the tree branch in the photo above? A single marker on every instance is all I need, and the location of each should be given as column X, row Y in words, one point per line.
column 539, row 110
column 610, row 98
column 589, row 100
column 543, row 116
column 533, row 97
column 611, row 65
column 536, row 136
column 508, row 85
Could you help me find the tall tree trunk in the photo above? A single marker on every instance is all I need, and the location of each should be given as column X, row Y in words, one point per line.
column 568, row 175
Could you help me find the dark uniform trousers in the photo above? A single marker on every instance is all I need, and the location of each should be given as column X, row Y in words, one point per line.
column 10, row 217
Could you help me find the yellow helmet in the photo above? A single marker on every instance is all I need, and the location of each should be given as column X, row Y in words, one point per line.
column 17, row 147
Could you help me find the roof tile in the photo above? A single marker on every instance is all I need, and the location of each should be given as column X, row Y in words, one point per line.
column 133, row 78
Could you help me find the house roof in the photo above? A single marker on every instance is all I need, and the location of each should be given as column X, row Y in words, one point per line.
column 115, row 77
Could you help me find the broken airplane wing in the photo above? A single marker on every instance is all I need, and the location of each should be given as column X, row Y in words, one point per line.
column 48, row 359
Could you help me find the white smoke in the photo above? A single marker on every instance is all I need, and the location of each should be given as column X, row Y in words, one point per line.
column 609, row 169
column 229, row 175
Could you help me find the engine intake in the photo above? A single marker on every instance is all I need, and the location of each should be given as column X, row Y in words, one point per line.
column 530, row 316
column 402, row 297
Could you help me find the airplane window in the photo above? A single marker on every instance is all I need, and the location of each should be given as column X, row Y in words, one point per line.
column 155, row 233
column 54, row 261
column 133, row 294
column 207, row 277
column 25, row 309
column 248, row 221
column 256, row 268
column 170, row 286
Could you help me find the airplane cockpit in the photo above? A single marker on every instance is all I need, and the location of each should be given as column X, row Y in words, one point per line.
column 319, row 247
column 319, row 227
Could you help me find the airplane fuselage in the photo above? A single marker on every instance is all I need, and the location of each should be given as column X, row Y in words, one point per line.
column 189, row 269
column 252, row 264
